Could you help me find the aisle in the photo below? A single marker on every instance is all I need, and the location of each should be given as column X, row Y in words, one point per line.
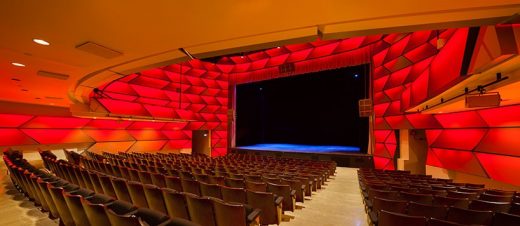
column 339, row 203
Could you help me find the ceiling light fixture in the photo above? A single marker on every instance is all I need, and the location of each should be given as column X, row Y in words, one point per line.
column 41, row 42
column 18, row 64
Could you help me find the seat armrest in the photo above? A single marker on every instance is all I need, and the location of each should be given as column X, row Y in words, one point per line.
column 373, row 217
column 293, row 192
column 278, row 200
column 253, row 215
column 303, row 187
column 142, row 222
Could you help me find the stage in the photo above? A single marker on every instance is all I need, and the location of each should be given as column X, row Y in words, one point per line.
column 348, row 156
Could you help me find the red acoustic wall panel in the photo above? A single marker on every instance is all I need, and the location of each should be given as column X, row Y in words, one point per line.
column 15, row 137
column 12, row 120
column 460, row 139
column 503, row 141
column 464, row 161
column 501, row 167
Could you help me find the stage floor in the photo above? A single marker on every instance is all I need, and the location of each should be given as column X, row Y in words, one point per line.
column 302, row 148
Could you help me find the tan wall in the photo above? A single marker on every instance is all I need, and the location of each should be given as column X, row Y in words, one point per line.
column 413, row 150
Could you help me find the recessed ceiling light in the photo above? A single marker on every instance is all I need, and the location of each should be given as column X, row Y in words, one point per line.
column 18, row 64
column 41, row 42
column 25, row 90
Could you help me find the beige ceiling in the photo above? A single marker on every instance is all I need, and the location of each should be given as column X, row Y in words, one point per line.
column 149, row 33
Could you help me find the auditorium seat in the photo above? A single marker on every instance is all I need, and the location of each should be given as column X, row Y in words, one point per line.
column 415, row 197
column 76, row 209
column 158, row 180
column 95, row 213
column 125, row 173
column 190, row 186
column 86, row 178
column 506, row 219
column 285, row 191
column 53, row 211
column 431, row 211
column 175, row 202
column 298, row 187
column 236, row 183
column 145, row 177
column 515, row 208
column 308, row 185
column 150, row 217
column 121, row 189
column 200, row 209
column 122, row 219
column 234, row 195
column 493, row 206
column 217, row 180
column 94, row 178
column 134, row 175
column 396, row 206
column 495, row 198
column 254, row 178
column 234, row 214
column 397, row 219
column 270, row 206
column 173, row 183
column 136, row 191
column 202, row 178
column 106, row 184
column 448, row 201
column 438, row 222
column 459, row 194
column 185, row 175
column 63, row 210
column 466, row 216
column 500, row 192
column 210, row 190
column 178, row 222
column 154, row 198
column 256, row 186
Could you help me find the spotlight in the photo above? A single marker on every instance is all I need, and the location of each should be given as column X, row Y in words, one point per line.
column 41, row 42
column 18, row 64
column 356, row 75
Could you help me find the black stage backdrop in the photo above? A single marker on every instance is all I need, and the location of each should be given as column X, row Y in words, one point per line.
column 317, row 108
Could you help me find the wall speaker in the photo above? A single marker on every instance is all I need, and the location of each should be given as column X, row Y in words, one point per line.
column 483, row 100
column 365, row 107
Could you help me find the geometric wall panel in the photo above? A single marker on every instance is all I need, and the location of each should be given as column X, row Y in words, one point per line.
column 58, row 136
column 148, row 146
column 507, row 116
column 109, row 135
column 501, row 168
column 464, row 161
column 111, row 147
column 466, row 119
column 460, row 139
column 12, row 120
column 56, row 122
column 14, row 137
column 504, row 141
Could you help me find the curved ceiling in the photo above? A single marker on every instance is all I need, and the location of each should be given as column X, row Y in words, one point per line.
column 150, row 35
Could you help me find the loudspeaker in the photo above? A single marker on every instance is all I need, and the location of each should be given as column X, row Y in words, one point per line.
column 483, row 100
column 365, row 107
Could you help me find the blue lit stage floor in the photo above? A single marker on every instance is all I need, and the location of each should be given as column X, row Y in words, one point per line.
column 302, row 148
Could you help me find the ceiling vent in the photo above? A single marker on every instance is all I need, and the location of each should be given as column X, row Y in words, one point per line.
column 98, row 50
column 53, row 75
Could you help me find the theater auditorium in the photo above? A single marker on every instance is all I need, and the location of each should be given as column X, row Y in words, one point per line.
column 260, row 112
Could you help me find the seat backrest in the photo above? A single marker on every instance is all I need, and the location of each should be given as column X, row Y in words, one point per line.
column 236, row 195
column 394, row 195
column 466, row 216
column 217, row 180
column 145, row 177
column 173, row 183
column 460, row 194
column 76, row 209
column 415, row 197
column 396, row 206
column 137, row 195
column 47, row 195
column 487, row 205
column 396, row 219
column 265, row 202
column 61, row 205
column 95, row 213
column 134, row 175
column 210, row 190
column 191, row 186
column 234, row 182
column 500, row 192
column 438, row 222
column 495, row 198
column 121, row 189
column 158, row 180
column 256, row 186
column 86, row 179
column 515, row 208
column 94, row 178
column 122, row 220
column 106, row 184
column 154, row 198
column 125, row 173
column 201, row 210
column 285, row 192
column 202, row 178
column 449, row 201
column 419, row 209
column 229, row 214
column 254, row 178
column 175, row 202
column 506, row 219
